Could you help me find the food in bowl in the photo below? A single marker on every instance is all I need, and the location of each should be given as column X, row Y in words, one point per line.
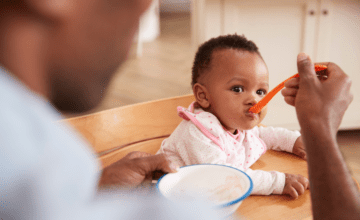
column 223, row 186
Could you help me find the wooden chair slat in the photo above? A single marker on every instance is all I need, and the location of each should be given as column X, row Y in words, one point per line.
column 110, row 129
column 151, row 146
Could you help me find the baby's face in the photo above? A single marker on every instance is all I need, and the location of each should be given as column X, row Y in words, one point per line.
column 236, row 81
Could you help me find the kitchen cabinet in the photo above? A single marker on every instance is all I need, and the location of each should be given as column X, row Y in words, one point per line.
column 327, row 30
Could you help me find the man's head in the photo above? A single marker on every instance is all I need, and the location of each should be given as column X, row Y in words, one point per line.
column 86, row 41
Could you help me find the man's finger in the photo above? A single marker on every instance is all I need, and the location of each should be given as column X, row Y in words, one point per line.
column 306, row 69
column 289, row 92
column 157, row 174
column 137, row 154
column 290, row 100
column 157, row 162
column 292, row 83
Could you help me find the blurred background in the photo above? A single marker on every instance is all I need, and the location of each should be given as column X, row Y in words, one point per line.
column 159, row 65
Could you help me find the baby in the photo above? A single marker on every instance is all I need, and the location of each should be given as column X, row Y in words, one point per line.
column 228, row 77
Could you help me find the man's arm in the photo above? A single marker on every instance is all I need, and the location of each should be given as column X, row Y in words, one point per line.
column 333, row 192
column 320, row 106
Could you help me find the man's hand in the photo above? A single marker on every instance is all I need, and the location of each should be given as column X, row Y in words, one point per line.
column 295, row 185
column 299, row 148
column 320, row 104
column 134, row 169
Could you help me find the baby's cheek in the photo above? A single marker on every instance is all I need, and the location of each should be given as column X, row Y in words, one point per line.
column 262, row 114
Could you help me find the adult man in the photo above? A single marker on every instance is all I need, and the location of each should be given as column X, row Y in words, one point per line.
column 61, row 54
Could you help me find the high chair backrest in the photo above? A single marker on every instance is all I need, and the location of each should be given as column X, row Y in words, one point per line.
column 140, row 127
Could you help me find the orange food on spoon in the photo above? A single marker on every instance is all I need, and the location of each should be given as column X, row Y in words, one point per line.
column 264, row 101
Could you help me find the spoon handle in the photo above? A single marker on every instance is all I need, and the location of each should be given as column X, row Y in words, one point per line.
column 264, row 101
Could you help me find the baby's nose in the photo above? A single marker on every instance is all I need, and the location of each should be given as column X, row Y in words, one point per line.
column 252, row 100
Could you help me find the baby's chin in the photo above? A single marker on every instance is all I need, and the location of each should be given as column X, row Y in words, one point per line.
column 247, row 128
column 240, row 128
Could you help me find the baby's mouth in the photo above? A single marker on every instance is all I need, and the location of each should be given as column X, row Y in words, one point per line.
column 251, row 114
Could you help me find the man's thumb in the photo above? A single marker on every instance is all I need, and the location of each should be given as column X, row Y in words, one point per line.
column 158, row 162
column 305, row 67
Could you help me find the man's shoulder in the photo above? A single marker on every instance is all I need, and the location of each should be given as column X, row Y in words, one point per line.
column 29, row 123
column 23, row 113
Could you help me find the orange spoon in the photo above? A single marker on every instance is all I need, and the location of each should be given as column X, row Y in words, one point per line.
column 264, row 101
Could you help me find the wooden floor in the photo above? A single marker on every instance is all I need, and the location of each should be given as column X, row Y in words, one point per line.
column 164, row 71
column 349, row 142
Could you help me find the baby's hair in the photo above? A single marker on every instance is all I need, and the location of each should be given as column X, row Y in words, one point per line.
column 203, row 55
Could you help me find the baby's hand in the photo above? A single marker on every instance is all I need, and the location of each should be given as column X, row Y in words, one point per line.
column 299, row 148
column 295, row 185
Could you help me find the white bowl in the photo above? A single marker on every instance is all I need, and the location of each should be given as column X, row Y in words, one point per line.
column 223, row 186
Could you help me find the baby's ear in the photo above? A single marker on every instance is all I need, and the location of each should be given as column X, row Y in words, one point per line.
column 201, row 95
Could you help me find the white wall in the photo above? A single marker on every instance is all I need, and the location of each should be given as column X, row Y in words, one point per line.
column 175, row 5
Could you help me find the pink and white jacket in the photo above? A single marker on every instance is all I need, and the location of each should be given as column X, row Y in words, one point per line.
column 200, row 138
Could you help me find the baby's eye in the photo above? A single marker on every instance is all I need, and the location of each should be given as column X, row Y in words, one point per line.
column 261, row 92
column 237, row 89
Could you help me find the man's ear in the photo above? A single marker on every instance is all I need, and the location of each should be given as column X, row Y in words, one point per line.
column 201, row 95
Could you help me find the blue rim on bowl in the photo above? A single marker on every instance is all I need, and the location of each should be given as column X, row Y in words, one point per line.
column 222, row 205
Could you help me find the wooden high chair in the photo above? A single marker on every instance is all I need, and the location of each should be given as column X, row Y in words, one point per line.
column 142, row 127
